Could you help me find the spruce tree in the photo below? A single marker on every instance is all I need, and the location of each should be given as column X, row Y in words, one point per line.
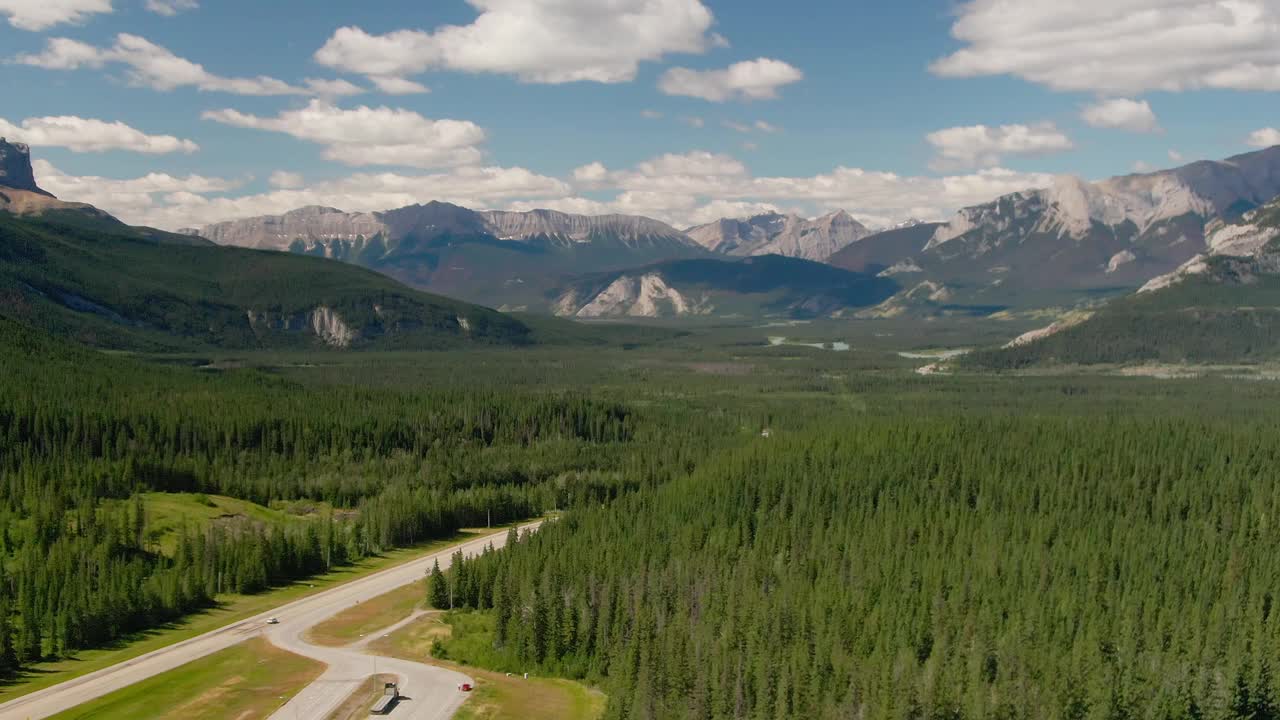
column 438, row 588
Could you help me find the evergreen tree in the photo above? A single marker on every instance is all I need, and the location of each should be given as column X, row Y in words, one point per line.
column 438, row 588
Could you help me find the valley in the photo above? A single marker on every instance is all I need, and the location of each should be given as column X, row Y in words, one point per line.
column 650, row 436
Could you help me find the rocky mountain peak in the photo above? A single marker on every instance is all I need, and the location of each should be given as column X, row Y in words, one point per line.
column 777, row 234
column 15, row 168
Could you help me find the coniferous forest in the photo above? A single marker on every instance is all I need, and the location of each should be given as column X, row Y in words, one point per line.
column 84, row 435
column 895, row 547
column 920, row 568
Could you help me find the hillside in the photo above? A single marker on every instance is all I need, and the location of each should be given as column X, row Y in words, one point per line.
column 889, row 250
column 768, row 285
column 108, row 285
column 1222, row 306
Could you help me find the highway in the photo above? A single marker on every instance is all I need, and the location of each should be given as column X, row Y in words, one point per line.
column 431, row 692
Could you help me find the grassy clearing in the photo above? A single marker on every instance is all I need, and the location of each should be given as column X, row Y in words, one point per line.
column 370, row 616
column 496, row 696
column 358, row 704
column 231, row 608
column 245, row 682
column 168, row 513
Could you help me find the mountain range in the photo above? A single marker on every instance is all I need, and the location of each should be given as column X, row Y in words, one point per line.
column 1068, row 243
column 499, row 258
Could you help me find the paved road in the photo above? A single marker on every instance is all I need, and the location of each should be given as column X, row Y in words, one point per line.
column 426, row 686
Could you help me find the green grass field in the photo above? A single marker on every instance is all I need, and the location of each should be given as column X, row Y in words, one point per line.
column 168, row 513
column 370, row 616
column 246, row 682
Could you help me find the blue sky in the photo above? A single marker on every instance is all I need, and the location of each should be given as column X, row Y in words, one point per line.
column 522, row 97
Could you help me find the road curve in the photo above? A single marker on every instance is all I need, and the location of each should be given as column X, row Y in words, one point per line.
column 430, row 693
column 426, row 686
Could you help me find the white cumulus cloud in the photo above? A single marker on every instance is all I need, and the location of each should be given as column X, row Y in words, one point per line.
column 169, row 8
column 150, row 65
column 538, row 41
column 1264, row 138
column 398, row 85
column 90, row 135
column 286, row 180
column 1120, row 46
column 371, row 135
column 1122, row 114
column 757, row 79
column 985, row 146
column 757, row 126
column 170, row 202
column 697, row 187
column 36, row 15
column 333, row 88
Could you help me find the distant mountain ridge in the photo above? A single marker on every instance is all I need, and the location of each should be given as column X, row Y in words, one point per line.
column 630, row 230
column 776, row 234
column 322, row 226
column 1060, row 245
column 498, row 258
column 1116, row 232
column 1074, row 239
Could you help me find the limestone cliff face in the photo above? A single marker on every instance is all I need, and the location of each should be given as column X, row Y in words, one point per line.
column 627, row 229
column 647, row 295
column 15, row 168
column 321, row 321
column 1247, row 247
column 311, row 226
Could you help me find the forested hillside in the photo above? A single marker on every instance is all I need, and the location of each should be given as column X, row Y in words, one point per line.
column 1203, row 319
column 83, row 434
column 103, row 283
column 989, row 565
